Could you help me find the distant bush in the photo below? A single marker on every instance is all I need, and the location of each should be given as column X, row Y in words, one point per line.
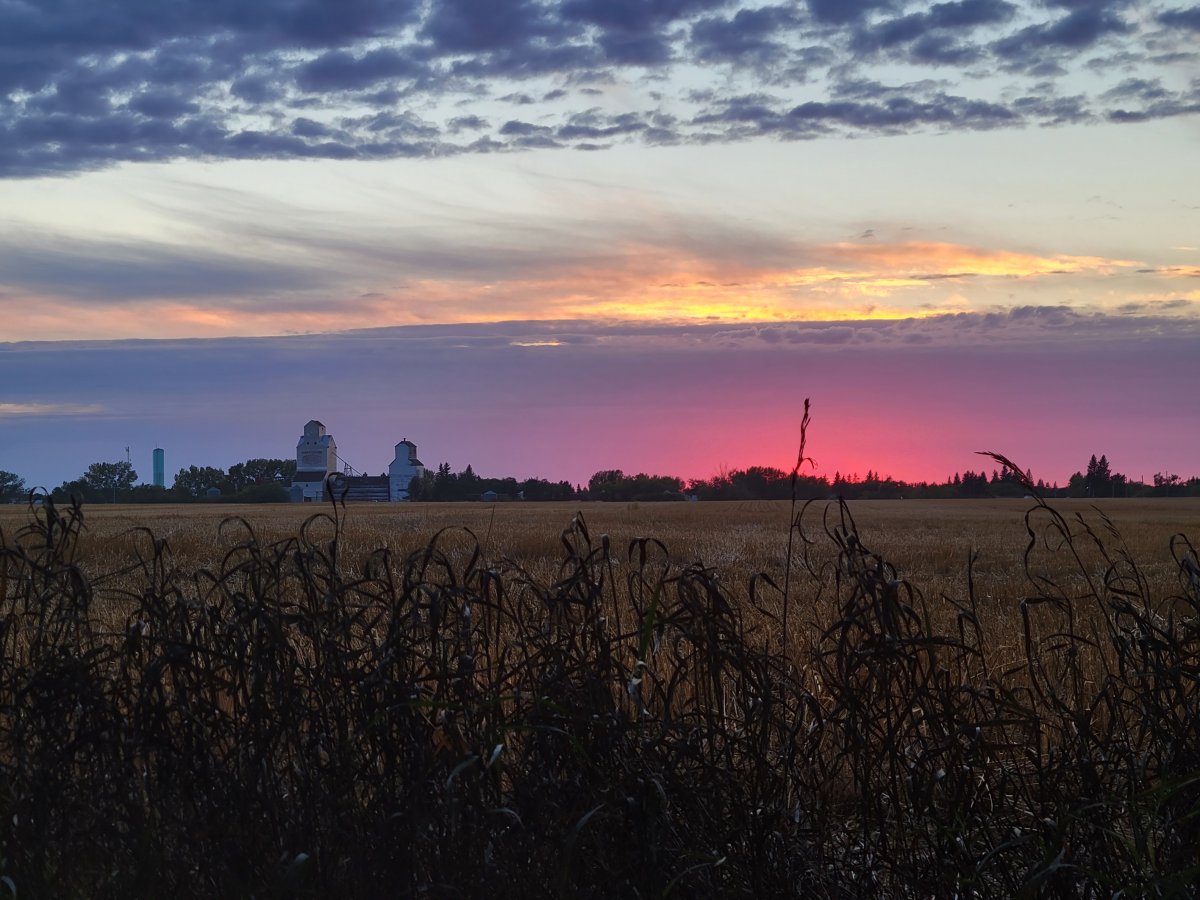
column 260, row 493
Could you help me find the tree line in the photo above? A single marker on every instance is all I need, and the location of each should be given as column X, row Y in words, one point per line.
column 444, row 485
column 267, row 480
column 252, row 481
column 769, row 483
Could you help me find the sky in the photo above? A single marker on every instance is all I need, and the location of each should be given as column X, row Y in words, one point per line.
column 549, row 238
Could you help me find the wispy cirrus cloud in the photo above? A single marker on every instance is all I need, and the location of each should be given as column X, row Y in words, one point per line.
column 702, row 272
column 655, row 281
column 44, row 410
column 142, row 270
column 943, row 259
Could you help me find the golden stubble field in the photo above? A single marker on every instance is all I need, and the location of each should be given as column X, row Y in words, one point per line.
column 929, row 742
column 928, row 542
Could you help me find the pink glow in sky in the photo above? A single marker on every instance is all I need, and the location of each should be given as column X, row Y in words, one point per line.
column 913, row 399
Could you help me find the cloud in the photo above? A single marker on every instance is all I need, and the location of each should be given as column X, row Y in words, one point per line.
column 896, row 112
column 85, row 87
column 1188, row 19
column 280, row 268
column 1159, row 307
column 1080, row 29
column 937, row 259
column 489, row 25
column 341, row 70
column 830, row 334
column 45, row 410
column 939, row 26
column 103, row 272
column 635, row 16
column 751, row 37
column 841, row 12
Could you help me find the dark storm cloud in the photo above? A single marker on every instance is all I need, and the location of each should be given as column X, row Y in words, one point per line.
column 87, row 85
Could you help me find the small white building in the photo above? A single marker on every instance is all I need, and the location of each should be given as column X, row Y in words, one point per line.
column 316, row 459
column 404, row 468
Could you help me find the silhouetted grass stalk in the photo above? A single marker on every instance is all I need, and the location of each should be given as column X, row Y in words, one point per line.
column 293, row 723
column 793, row 522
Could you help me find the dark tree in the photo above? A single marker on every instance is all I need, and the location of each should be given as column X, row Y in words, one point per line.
column 421, row 486
column 613, row 484
column 540, row 489
column 77, row 489
column 468, row 482
column 260, row 471
column 194, row 481
column 1097, row 481
column 1167, row 484
column 106, row 480
column 605, row 485
column 11, row 487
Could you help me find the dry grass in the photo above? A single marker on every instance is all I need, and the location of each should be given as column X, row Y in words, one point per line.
column 363, row 703
column 929, row 542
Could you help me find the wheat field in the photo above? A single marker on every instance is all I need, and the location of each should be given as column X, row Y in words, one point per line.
column 601, row 700
column 929, row 542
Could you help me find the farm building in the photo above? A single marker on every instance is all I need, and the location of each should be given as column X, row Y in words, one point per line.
column 317, row 459
column 404, row 468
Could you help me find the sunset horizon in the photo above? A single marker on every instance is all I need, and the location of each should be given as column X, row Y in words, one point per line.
column 546, row 413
